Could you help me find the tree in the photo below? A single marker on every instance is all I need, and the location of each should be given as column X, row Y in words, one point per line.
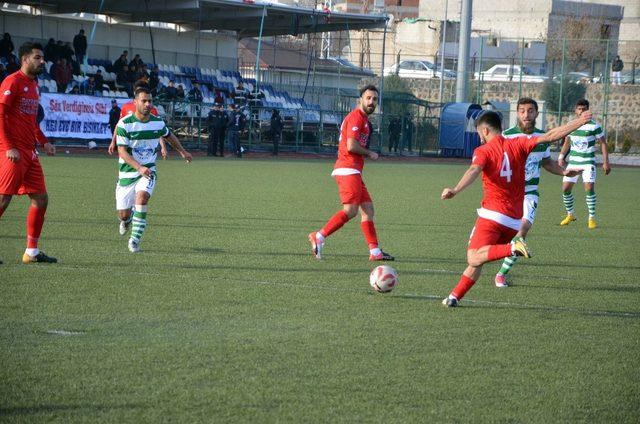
column 571, row 93
column 583, row 40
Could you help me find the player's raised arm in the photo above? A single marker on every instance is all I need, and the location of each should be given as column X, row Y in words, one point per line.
column 467, row 179
column 354, row 147
column 564, row 130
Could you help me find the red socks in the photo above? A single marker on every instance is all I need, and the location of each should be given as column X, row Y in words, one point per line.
column 1, row 212
column 335, row 223
column 498, row 251
column 369, row 231
column 35, row 220
column 463, row 287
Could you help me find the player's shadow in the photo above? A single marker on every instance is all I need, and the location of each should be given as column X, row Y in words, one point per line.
column 582, row 288
column 625, row 267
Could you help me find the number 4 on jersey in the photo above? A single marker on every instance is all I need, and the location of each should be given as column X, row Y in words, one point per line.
column 505, row 169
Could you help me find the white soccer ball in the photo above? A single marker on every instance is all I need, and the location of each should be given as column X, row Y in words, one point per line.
column 383, row 279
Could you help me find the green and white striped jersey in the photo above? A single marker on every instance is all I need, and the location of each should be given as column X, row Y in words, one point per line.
column 532, row 168
column 583, row 144
column 142, row 140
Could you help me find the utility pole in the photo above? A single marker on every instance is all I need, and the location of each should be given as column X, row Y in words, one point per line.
column 463, row 51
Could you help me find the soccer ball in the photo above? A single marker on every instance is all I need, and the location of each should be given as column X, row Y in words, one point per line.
column 383, row 279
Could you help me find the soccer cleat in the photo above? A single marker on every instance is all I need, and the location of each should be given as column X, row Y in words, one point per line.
column 567, row 219
column 382, row 256
column 519, row 247
column 501, row 281
column 316, row 246
column 40, row 257
column 124, row 227
column 592, row 223
column 134, row 246
column 450, row 302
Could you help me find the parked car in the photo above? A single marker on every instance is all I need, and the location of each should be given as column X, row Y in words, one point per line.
column 576, row 77
column 510, row 73
column 417, row 69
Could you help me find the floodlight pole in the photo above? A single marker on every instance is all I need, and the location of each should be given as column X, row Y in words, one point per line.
column 380, row 111
column 443, row 32
column 257, row 70
column 463, row 51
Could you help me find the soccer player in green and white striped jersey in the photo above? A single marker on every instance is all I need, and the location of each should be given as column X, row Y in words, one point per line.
column 137, row 137
column 582, row 157
column 527, row 112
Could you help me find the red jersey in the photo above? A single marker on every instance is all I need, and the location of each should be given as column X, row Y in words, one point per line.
column 19, row 95
column 130, row 107
column 503, row 163
column 355, row 125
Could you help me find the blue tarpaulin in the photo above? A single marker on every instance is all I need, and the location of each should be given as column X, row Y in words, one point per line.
column 458, row 136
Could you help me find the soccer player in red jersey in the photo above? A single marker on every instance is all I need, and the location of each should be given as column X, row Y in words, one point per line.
column 502, row 164
column 20, row 170
column 352, row 149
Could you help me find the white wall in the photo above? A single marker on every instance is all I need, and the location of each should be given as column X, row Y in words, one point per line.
column 187, row 48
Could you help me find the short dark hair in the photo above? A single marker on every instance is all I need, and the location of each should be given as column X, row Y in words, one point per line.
column 527, row 101
column 141, row 89
column 491, row 119
column 140, row 83
column 583, row 102
column 369, row 87
column 27, row 48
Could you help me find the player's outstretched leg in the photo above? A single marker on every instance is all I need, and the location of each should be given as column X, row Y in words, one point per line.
column 139, row 224
column 35, row 221
column 316, row 238
column 501, row 277
column 125, row 223
column 567, row 199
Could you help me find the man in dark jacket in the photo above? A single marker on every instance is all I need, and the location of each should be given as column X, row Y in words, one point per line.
column 80, row 46
column 216, row 122
column 235, row 126
column 395, row 127
column 276, row 130
column 6, row 46
column 114, row 115
column 616, row 69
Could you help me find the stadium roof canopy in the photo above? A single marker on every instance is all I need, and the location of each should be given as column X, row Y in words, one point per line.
column 241, row 16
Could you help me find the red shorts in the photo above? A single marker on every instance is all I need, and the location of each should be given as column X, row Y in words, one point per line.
column 22, row 177
column 487, row 232
column 352, row 189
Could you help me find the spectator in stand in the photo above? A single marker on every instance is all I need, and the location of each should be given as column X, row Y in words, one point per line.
column 3, row 73
column 169, row 92
column 395, row 128
column 616, row 68
column 144, row 72
column 136, row 62
column 121, row 64
column 195, row 95
column 6, row 46
column 218, row 98
column 114, row 115
column 67, row 52
column 240, row 96
column 131, row 78
column 180, row 95
column 88, row 86
column 75, row 90
column 12, row 65
column 276, row 130
column 62, row 74
column 80, row 46
column 154, row 82
column 51, row 51
column 99, row 80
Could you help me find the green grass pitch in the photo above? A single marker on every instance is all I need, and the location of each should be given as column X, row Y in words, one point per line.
column 226, row 317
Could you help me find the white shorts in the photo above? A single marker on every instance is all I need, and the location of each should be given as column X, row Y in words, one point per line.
column 529, row 207
column 126, row 195
column 588, row 174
